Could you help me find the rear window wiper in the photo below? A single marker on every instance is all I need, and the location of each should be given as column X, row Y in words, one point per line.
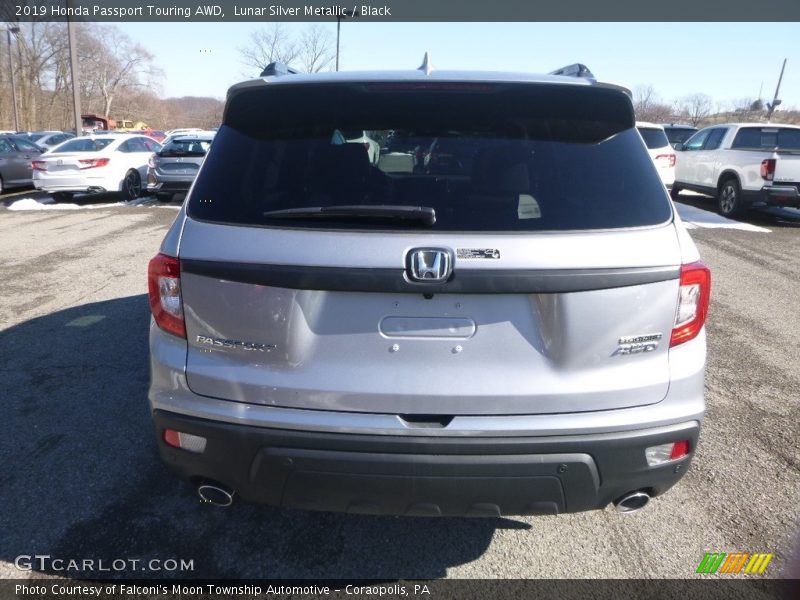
column 425, row 214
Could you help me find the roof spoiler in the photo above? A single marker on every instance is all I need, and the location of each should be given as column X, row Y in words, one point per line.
column 582, row 71
column 575, row 70
column 276, row 69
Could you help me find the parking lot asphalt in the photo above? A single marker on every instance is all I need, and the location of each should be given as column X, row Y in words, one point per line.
column 80, row 478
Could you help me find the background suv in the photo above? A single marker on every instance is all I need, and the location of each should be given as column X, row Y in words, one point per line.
column 173, row 168
column 520, row 333
column 659, row 149
column 678, row 134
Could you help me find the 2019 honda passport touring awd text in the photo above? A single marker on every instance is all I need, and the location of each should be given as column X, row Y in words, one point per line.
column 513, row 327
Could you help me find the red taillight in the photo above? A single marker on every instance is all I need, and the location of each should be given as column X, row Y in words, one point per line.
column 91, row 163
column 768, row 169
column 39, row 165
column 693, row 297
column 164, row 289
column 669, row 157
column 366, row 146
column 151, row 162
column 679, row 450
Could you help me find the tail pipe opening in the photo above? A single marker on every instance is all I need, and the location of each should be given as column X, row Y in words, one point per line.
column 632, row 502
column 216, row 494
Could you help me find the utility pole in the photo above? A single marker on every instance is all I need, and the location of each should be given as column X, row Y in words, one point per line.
column 339, row 18
column 74, row 75
column 775, row 101
column 15, row 31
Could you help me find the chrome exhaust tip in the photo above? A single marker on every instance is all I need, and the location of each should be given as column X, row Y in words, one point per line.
column 215, row 494
column 631, row 502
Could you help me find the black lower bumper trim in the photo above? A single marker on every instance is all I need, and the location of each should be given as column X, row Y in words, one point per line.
column 426, row 475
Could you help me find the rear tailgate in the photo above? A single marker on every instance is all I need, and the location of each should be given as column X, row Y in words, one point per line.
column 297, row 344
column 565, row 260
column 787, row 168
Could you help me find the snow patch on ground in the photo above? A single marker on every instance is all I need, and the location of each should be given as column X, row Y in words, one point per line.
column 695, row 218
column 50, row 204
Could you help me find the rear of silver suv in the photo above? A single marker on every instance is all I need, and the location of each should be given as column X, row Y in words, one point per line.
column 519, row 334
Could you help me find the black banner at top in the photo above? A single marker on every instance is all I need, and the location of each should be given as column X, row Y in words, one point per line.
column 117, row 11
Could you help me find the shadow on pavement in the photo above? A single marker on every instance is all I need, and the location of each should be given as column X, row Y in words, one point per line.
column 80, row 478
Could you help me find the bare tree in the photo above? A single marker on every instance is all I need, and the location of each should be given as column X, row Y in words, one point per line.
column 116, row 64
column 273, row 44
column 117, row 77
column 35, row 51
column 316, row 49
column 648, row 106
column 748, row 109
column 643, row 97
column 696, row 108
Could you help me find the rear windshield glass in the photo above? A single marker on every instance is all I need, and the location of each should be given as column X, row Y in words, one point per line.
column 83, row 145
column 483, row 157
column 654, row 138
column 191, row 147
column 31, row 137
column 677, row 135
column 767, row 138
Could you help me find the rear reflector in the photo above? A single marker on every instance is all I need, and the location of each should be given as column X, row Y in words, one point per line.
column 184, row 441
column 172, row 438
column 658, row 455
column 693, row 297
column 679, row 450
column 164, row 292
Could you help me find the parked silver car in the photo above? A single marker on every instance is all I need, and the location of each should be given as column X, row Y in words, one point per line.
column 46, row 140
column 173, row 168
column 523, row 336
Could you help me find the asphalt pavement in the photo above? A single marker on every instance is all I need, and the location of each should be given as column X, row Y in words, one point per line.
column 80, row 478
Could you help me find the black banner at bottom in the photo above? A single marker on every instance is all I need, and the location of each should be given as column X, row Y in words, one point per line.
column 457, row 589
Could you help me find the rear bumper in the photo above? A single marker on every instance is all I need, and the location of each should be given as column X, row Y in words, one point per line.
column 775, row 195
column 425, row 475
column 75, row 184
column 172, row 186
column 162, row 182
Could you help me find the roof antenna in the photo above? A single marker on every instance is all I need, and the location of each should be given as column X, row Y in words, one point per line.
column 426, row 65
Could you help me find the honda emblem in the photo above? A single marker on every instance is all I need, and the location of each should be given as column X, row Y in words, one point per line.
column 430, row 265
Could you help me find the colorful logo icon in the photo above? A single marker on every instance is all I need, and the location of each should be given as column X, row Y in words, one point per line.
column 735, row 562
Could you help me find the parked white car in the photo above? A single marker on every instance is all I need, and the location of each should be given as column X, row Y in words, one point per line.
column 95, row 164
column 660, row 150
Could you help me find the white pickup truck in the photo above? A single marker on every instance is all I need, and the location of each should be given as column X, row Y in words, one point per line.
column 742, row 165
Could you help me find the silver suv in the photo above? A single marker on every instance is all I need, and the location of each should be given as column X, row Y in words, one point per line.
column 519, row 333
column 173, row 168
